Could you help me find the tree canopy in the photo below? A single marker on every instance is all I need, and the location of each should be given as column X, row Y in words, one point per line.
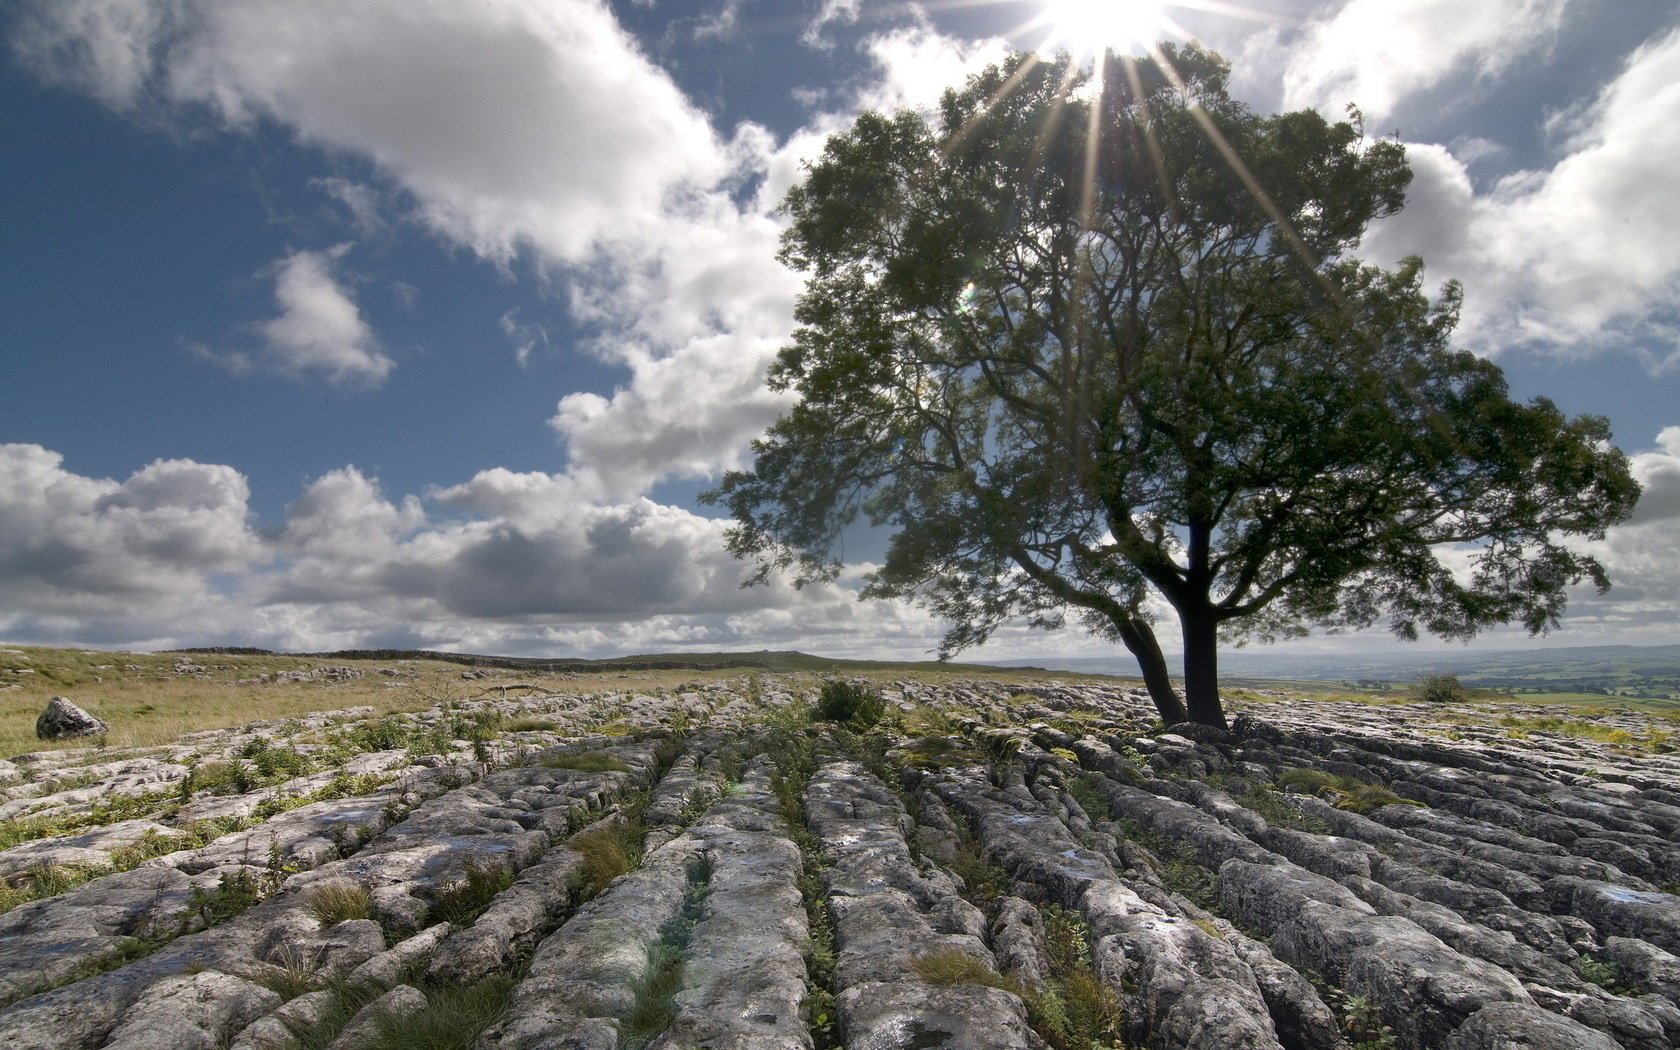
column 1097, row 333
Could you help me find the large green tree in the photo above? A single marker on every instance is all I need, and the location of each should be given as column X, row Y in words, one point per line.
column 1097, row 333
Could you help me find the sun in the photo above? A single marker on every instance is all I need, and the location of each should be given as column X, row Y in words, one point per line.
column 1085, row 28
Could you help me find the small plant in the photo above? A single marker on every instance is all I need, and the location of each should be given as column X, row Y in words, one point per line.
column 1363, row 1026
column 950, row 966
column 1603, row 973
column 235, row 892
column 453, row 1018
column 531, row 724
column 984, row 880
column 336, row 902
column 1001, row 749
column 849, row 703
column 655, row 1007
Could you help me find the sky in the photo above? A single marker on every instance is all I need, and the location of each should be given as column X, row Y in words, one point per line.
column 421, row 324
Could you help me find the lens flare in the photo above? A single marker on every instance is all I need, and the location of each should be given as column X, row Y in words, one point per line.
column 1084, row 28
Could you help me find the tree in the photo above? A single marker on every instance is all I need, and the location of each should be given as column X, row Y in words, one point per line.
column 1097, row 334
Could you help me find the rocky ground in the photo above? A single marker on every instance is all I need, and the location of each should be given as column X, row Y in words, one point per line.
column 984, row 866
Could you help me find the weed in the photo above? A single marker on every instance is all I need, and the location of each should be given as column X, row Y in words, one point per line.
column 531, row 724
column 654, row 1007
column 235, row 892
column 984, row 880
column 949, row 966
column 1349, row 793
column 1603, row 973
column 1090, row 798
column 44, row 880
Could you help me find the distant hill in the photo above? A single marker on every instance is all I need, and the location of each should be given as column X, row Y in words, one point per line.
column 762, row 660
column 1635, row 670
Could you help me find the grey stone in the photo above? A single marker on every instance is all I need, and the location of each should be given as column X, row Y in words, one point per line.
column 1507, row 1026
column 1645, row 965
column 196, row 1012
column 63, row 720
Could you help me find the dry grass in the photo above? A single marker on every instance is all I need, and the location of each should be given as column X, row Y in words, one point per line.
column 146, row 703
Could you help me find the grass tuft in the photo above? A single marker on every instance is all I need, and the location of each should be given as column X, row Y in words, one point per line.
column 466, row 900
column 337, row 902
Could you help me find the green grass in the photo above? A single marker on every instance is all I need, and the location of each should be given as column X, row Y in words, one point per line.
column 654, row 1007
column 609, row 849
column 45, row 880
column 1349, row 793
column 452, row 1020
column 466, row 900
column 1073, row 1011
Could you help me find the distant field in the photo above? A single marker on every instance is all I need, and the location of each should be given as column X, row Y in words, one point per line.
column 147, row 701
column 154, row 698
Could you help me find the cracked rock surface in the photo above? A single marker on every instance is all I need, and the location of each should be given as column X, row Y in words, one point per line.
column 1004, row 863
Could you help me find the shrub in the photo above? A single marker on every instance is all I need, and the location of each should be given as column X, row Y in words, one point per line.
column 1441, row 689
column 850, row 703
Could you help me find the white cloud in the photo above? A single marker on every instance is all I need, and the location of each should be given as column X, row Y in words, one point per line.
column 918, row 63
column 359, row 199
column 832, row 12
column 512, row 123
column 1374, row 53
column 1642, row 557
column 72, row 545
column 319, row 330
column 1578, row 258
column 526, row 337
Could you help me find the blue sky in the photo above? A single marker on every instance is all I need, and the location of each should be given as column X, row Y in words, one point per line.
column 420, row 323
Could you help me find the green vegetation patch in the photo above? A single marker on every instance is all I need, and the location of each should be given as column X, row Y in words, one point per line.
column 849, row 704
column 1345, row 792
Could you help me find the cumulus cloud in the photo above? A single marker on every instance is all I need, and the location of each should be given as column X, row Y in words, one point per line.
column 72, row 545
column 916, row 64
column 504, row 562
column 1642, row 557
column 1375, row 53
column 1576, row 258
column 511, row 123
column 319, row 330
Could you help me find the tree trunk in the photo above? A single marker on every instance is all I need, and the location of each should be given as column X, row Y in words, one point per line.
column 1140, row 640
column 1201, row 669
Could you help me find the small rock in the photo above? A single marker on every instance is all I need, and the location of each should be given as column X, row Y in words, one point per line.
column 63, row 720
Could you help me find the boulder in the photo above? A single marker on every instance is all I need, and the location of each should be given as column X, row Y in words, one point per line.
column 63, row 720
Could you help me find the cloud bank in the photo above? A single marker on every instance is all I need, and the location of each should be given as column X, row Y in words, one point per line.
column 539, row 136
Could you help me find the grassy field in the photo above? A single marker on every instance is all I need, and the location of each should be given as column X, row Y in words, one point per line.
column 153, row 698
column 147, row 701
